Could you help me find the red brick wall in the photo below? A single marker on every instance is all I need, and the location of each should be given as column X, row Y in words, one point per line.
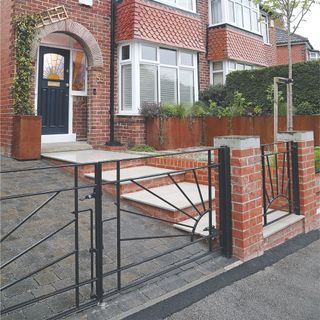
column 298, row 53
column 204, row 70
column 92, row 18
column 80, row 115
column 130, row 130
column 147, row 20
column 7, row 70
column 227, row 42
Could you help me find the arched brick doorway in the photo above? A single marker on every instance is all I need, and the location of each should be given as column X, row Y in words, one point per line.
column 82, row 107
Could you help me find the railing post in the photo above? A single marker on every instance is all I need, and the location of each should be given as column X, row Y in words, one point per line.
column 98, row 231
column 210, row 197
column 118, row 199
column 225, row 201
column 76, row 233
column 264, row 189
column 295, row 178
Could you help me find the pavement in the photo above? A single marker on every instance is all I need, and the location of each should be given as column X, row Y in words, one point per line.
column 283, row 284
column 57, row 213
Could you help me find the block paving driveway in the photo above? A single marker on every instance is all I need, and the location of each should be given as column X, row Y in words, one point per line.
column 57, row 213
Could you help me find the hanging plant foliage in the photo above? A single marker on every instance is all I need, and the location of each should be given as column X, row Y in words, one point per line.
column 25, row 30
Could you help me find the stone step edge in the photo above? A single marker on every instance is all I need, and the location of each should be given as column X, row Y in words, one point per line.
column 280, row 225
column 125, row 196
column 162, row 175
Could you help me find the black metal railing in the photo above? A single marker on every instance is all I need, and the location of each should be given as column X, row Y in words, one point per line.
column 280, row 180
column 100, row 219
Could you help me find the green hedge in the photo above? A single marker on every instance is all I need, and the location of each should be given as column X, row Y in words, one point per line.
column 253, row 85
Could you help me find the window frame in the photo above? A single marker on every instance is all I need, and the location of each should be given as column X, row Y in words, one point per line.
column 174, row 5
column 265, row 21
column 225, row 17
column 226, row 68
column 136, row 60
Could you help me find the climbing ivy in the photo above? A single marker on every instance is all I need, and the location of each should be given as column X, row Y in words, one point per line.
column 25, row 30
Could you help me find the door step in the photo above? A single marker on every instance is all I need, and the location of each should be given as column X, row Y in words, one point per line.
column 153, row 206
column 87, row 158
column 65, row 146
column 158, row 178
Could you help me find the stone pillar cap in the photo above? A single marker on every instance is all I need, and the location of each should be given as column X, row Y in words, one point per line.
column 296, row 136
column 237, row 142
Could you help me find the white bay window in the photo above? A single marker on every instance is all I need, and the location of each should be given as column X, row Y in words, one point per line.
column 220, row 69
column 241, row 13
column 152, row 74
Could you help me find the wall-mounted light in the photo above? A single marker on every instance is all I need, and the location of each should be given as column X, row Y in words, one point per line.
column 86, row 2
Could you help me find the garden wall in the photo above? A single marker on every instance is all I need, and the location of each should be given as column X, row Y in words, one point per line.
column 173, row 133
column 258, row 126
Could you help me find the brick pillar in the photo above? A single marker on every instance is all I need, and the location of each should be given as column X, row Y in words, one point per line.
column 246, row 194
column 98, row 107
column 307, row 177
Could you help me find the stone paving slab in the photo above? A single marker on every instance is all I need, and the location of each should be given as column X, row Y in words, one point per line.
column 88, row 156
column 57, row 213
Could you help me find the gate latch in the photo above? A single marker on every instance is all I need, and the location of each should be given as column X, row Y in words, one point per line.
column 88, row 196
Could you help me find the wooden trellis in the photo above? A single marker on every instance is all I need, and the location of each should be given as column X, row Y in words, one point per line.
column 52, row 15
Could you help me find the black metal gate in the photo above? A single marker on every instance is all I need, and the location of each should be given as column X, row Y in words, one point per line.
column 280, row 180
column 109, row 231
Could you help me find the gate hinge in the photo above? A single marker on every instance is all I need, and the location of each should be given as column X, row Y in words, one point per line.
column 212, row 230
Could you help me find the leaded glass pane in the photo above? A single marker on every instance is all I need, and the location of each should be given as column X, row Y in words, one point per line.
column 53, row 66
column 78, row 71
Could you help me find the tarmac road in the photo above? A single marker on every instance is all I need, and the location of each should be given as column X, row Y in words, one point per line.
column 287, row 290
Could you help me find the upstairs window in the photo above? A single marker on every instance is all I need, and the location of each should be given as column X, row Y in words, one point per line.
column 241, row 13
column 189, row 5
column 264, row 28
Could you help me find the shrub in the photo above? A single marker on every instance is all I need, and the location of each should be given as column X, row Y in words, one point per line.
column 254, row 84
column 217, row 93
column 142, row 148
column 174, row 110
column 150, row 110
column 199, row 109
column 317, row 158
column 25, row 30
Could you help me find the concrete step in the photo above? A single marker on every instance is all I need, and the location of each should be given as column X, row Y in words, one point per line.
column 157, row 179
column 154, row 206
column 83, row 157
column 65, row 146
column 201, row 226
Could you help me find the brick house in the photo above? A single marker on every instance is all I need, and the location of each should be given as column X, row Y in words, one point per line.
column 110, row 64
column 302, row 50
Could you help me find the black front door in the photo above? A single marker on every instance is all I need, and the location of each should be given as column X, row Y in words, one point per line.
column 53, row 92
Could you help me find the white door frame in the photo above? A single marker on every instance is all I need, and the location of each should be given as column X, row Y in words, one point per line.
column 56, row 138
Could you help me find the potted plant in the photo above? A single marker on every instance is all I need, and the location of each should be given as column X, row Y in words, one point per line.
column 26, row 125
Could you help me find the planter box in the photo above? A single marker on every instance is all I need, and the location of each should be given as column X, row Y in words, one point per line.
column 172, row 133
column 26, row 137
